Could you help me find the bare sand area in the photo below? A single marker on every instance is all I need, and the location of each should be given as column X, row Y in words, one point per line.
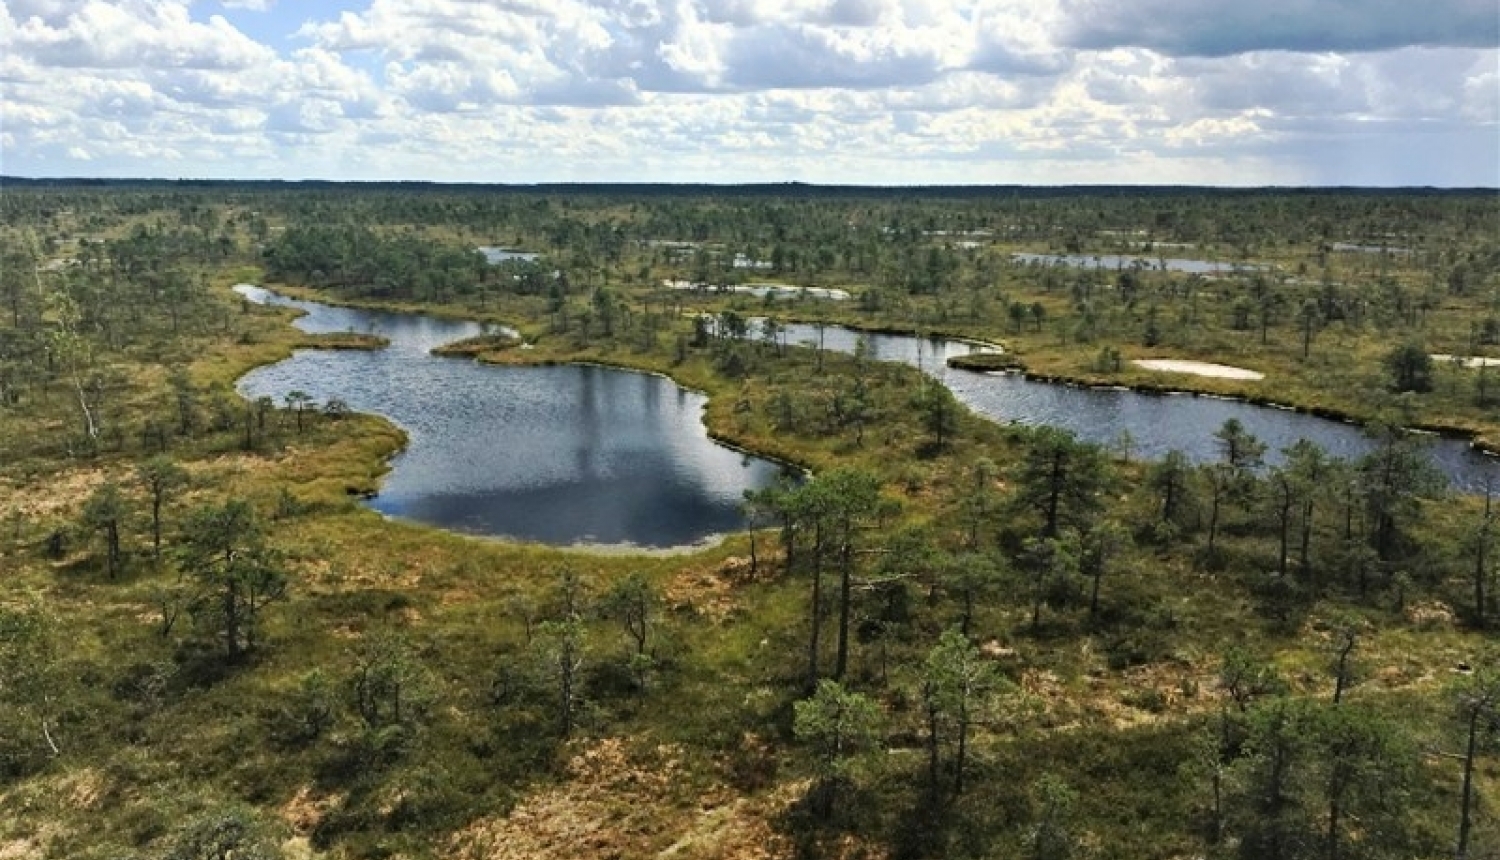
column 1197, row 368
column 1470, row 361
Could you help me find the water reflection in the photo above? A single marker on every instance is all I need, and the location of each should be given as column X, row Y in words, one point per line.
column 1157, row 423
column 560, row 455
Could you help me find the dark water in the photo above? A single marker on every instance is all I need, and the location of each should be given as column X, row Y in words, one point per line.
column 1156, row 423
column 560, row 455
column 567, row 455
column 1114, row 261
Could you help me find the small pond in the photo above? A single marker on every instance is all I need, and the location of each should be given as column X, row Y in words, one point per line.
column 495, row 256
column 1113, row 262
column 560, row 455
column 1357, row 248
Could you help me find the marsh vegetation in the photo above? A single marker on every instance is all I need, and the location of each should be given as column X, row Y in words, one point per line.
column 956, row 638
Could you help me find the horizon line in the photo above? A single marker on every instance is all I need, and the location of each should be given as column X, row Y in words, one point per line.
column 764, row 184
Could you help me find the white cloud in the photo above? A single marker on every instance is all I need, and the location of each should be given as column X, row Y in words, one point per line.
column 131, row 34
column 730, row 90
column 809, row 56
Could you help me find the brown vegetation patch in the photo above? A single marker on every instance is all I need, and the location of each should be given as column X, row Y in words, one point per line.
column 619, row 802
column 1392, row 677
column 1047, row 697
column 357, row 568
column 710, row 592
column 86, row 788
column 226, row 465
column 1042, row 684
column 62, row 495
column 1431, row 615
column 304, row 812
column 718, row 831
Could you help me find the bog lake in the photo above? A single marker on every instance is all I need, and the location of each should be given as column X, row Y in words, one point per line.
column 589, row 455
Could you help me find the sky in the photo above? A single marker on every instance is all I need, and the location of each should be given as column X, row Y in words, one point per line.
column 853, row 92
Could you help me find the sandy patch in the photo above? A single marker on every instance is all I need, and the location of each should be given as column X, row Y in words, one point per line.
column 20, row 849
column 1469, row 361
column 1197, row 368
column 760, row 291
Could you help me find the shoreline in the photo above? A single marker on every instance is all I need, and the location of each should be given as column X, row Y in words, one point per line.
column 481, row 356
column 995, row 347
column 1476, row 438
column 997, row 361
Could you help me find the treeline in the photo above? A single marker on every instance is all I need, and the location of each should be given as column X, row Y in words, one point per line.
column 1067, row 219
column 73, row 328
column 356, row 261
